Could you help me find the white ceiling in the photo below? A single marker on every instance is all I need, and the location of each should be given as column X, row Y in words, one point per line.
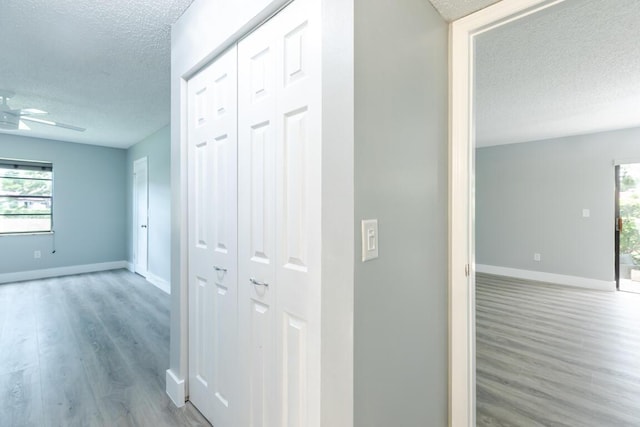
column 105, row 66
column 572, row 69
column 101, row 65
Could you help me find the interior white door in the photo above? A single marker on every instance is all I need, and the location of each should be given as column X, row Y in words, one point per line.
column 140, row 216
column 279, row 145
column 213, row 295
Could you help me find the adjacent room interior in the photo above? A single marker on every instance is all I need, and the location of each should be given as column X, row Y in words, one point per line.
column 557, row 143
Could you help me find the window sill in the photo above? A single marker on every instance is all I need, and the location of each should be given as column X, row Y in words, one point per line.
column 30, row 233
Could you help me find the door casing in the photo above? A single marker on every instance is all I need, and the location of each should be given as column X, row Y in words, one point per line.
column 462, row 32
column 616, row 227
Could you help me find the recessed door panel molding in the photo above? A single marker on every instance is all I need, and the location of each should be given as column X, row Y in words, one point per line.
column 200, row 104
column 261, row 70
column 223, row 358
column 221, row 189
column 261, row 363
column 295, row 184
column 295, row 51
column 294, row 370
column 222, row 92
column 199, row 194
column 279, row 175
column 212, row 198
column 200, row 331
column 262, row 191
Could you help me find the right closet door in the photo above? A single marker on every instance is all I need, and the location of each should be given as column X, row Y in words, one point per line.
column 279, row 218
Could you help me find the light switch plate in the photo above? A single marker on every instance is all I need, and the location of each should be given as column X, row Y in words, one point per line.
column 370, row 241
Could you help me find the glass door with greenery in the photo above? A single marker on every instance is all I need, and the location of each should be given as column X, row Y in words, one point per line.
column 628, row 227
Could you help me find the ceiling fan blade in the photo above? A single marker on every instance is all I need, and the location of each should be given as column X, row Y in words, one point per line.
column 23, row 126
column 25, row 112
column 31, row 111
column 52, row 123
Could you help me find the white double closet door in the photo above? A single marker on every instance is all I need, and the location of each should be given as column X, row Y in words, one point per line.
column 255, row 227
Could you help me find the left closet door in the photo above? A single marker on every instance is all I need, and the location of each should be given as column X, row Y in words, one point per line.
column 212, row 198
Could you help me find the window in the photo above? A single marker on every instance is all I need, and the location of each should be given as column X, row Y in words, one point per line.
column 26, row 196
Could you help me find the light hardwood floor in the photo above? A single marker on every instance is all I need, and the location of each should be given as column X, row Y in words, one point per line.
column 556, row 356
column 86, row 350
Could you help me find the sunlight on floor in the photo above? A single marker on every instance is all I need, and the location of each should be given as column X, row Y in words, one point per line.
column 629, row 286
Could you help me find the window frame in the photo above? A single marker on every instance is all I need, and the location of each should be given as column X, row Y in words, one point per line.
column 33, row 165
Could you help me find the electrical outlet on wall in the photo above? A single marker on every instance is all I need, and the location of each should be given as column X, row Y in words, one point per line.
column 37, row 254
column 536, row 257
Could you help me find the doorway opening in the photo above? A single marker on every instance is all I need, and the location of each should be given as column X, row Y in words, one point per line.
column 140, row 216
column 627, row 227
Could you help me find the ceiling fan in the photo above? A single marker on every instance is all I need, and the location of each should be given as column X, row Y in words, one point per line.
column 15, row 119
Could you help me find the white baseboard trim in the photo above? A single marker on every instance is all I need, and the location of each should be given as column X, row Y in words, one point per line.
column 20, row 276
column 159, row 283
column 540, row 276
column 175, row 389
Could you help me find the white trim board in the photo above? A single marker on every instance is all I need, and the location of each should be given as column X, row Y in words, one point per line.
column 626, row 161
column 541, row 276
column 462, row 381
column 20, row 276
column 156, row 281
column 175, row 388
column 159, row 283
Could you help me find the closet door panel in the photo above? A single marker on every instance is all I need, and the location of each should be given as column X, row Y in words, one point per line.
column 213, row 293
column 256, row 206
column 299, row 212
column 279, row 206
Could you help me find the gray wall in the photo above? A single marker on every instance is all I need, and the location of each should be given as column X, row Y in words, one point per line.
column 157, row 149
column 88, row 206
column 530, row 197
column 401, row 179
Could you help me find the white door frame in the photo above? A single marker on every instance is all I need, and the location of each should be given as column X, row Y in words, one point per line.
column 462, row 384
column 143, row 161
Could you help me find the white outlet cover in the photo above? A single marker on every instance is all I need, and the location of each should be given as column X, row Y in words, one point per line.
column 586, row 213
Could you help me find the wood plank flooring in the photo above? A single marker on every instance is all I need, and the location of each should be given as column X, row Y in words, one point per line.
column 556, row 356
column 86, row 350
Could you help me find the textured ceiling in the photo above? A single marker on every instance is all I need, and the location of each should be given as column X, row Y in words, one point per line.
column 101, row 65
column 451, row 10
column 572, row 69
column 105, row 66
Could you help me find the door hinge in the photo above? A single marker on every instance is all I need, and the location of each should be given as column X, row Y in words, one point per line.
column 466, row 270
